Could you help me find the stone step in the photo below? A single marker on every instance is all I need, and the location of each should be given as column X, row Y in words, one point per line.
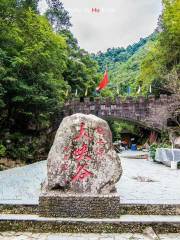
column 150, row 209
column 132, row 209
column 124, row 224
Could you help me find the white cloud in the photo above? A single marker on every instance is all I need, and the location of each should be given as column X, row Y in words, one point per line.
column 118, row 23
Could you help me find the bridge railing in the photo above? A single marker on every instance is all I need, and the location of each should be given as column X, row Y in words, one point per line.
column 150, row 111
column 118, row 100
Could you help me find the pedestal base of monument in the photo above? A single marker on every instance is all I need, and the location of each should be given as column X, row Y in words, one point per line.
column 58, row 204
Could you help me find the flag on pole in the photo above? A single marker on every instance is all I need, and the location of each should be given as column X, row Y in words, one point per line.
column 150, row 89
column 86, row 92
column 117, row 90
column 66, row 94
column 139, row 90
column 104, row 82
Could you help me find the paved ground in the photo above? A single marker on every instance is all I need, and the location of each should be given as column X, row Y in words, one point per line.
column 142, row 182
column 145, row 181
column 49, row 236
column 174, row 219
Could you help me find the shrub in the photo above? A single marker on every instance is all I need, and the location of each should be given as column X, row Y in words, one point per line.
column 153, row 148
column 2, row 150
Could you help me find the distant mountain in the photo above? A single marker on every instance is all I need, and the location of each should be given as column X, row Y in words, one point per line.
column 124, row 64
column 120, row 54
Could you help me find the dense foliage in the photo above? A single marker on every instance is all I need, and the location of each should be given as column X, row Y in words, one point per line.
column 81, row 71
column 124, row 66
column 117, row 55
column 124, row 75
column 57, row 15
column 37, row 67
column 119, row 127
column 41, row 65
column 152, row 62
column 161, row 66
column 151, row 66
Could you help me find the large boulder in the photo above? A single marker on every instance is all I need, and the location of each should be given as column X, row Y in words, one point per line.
column 82, row 158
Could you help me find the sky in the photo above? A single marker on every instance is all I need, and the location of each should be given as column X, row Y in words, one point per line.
column 102, row 24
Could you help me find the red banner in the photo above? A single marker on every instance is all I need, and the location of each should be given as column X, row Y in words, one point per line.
column 104, row 82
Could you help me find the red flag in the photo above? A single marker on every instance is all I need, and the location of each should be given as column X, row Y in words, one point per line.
column 104, row 82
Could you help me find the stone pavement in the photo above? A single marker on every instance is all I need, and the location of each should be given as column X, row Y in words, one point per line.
column 142, row 182
column 49, row 236
column 148, row 182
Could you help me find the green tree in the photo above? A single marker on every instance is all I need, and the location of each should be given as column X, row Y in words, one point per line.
column 32, row 61
column 57, row 15
column 33, row 77
column 37, row 66
column 161, row 66
column 117, row 55
column 81, row 72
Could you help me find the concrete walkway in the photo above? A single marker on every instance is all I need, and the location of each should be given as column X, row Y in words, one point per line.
column 145, row 182
column 49, row 236
column 142, row 182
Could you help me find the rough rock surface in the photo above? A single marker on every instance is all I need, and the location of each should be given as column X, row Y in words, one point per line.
column 82, row 159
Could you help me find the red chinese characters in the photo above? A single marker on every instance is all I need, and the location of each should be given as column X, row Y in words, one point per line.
column 83, row 133
column 99, row 130
column 81, row 153
column 66, row 157
column 100, row 150
column 101, row 142
column 81, row 173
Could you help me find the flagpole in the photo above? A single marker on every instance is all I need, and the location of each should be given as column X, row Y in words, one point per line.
column 139, row 90
column 76, row 93
column 86, row 92
column 150, row 89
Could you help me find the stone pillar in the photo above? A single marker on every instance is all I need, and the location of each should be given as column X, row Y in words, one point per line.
column 82, row 171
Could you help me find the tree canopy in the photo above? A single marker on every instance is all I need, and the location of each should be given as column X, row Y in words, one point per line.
column 41, row 65
column 152, row 62
column 37, row 67
column 161, row 66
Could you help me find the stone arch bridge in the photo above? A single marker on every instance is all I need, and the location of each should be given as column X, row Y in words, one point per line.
column 149, row 112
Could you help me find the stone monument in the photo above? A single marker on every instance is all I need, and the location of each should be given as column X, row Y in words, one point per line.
column 82, row 170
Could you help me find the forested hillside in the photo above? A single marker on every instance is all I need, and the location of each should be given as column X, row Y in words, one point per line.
column 41, row 65
column 124, row 75
column 152, row 63
column 117, row 55
column 161, row 65
column 124, row 65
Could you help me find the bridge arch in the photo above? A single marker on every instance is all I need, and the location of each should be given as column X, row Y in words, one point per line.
column 148, row 112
